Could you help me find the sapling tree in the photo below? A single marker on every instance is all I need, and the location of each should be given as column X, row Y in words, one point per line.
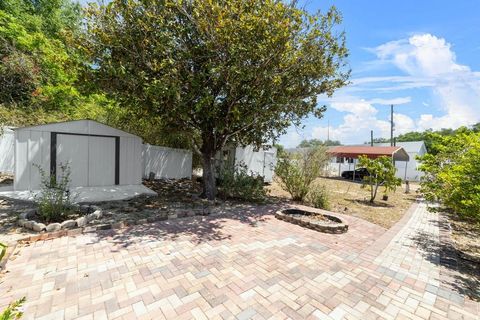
column 218, row 71
column 381, row 173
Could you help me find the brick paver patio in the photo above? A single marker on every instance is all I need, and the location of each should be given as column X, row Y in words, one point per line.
column 242, row 266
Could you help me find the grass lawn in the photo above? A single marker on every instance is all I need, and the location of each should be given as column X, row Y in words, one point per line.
column 349, row 198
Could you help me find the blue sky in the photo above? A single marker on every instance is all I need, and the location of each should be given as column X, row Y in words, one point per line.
column 422, row 56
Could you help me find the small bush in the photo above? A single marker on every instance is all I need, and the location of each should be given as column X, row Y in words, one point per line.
column 3, row 250
column 13, row 311
column 318, row 197
column 295, row 172
column 54, row 201
column 237, row 183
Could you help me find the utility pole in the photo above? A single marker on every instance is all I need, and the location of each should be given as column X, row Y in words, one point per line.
column 328, row 131
column 371, row 138
column 391, row 125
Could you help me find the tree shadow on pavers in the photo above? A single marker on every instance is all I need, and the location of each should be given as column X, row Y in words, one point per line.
column 194, row 229
column 464, row 277
column 9, row 211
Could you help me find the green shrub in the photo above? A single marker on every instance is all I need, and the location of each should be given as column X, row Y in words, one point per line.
column 54, row 201
column 13, row 312
column 296, row 171
column 382, row 173
column 452, row 175
column 318, row 197
column 237, row 183
column 3, row 250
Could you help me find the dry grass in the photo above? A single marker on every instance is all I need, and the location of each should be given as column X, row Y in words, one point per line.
column 349, row 198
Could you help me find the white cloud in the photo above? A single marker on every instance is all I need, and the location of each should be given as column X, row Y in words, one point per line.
column 432, row 59
column 361, row 117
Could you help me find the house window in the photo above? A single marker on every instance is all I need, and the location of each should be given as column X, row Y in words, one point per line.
column 340, row 160
column 350, row 160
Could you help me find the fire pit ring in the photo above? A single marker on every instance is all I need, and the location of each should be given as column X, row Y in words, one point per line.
column 313, row 220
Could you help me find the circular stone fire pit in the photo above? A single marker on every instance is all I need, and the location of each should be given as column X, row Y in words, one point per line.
column 313, row 220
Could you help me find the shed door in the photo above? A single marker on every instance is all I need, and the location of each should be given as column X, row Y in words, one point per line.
column 101, row 158
column 73, row 150
column 91, row 159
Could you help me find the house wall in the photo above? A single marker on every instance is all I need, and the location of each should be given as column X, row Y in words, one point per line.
column 7, row 145
column 166, row 163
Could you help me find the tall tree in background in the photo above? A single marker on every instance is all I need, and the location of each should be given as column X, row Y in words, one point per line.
column 222, row 70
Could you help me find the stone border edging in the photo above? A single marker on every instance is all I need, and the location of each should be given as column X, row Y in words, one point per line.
column 336, row 228
column 82, row 221
column 115, row 226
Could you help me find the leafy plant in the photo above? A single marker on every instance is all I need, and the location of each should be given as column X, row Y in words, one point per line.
column 223, row 71
column 452, row 175
column 381, row 173
column 296, row 171
column 318, row 197
column 54, row 200
column 237, row 183
column 13, row 311
column 3, row 250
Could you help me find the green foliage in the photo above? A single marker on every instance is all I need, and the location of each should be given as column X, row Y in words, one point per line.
column 3, row 250
column 428, row 136
column 13, row 312
column 217, row 71
column 54, row 201
column 237, row 183
column 316, row 142
column 382, row 172
column 296, row 171
column 318, row 197
column 452, row 174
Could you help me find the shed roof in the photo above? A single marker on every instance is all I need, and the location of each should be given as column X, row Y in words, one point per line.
column 409, row 146
column 79, row 126
column 397, row 153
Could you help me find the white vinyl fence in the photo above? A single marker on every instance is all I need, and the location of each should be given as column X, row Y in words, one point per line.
column 166, row 163
column 7, row 145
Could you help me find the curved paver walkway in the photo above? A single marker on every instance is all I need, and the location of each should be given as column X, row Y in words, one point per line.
column 245, row 265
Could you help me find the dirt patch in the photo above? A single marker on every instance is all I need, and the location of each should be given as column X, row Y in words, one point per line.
column 466, row 238
column 350, row 198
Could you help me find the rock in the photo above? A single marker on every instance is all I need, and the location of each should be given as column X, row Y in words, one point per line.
column 97, row 214
column 54, row 227
column 68, row 224
column 22, row 222
column 38, row 227
column 28, row 224
column 81, row 222
column 28, row 214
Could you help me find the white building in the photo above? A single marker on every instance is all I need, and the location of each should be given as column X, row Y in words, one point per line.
column 98, row 155
column 409, row 170
column 406, row 170
column 260, row 162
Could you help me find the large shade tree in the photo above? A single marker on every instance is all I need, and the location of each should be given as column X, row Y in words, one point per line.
column 220, row 71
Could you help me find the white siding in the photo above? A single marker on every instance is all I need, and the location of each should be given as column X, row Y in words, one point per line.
column 92, row 158
column 167, row 163
column 7, row 145
column 261, row 162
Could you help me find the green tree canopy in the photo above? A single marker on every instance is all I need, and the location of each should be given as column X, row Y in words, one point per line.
column 317, row 142
column 221, row 71
column 381, row 173
column 452, row 172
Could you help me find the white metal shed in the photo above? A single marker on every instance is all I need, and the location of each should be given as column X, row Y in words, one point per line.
column 98, row 155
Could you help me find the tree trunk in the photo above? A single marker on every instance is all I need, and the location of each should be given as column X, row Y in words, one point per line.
column 209, row 185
